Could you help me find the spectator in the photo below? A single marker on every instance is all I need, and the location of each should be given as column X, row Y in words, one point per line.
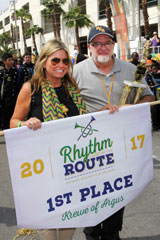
column 148, row 41
column 27, row 67
column 153, row 80
column 135, row 58
column 19, row 62
column 81, row 57
column 9, row 89
column 155, row 42
column 149, row 62
column 75, row 52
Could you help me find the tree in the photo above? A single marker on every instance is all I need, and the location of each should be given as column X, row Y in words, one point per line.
column 32, row 31
column 4, row 39
column 23, row 15
column 145, row 16
column 75, row 19
column 54, row 10
column 6, row 49
column 108, row 14
column 12, row 35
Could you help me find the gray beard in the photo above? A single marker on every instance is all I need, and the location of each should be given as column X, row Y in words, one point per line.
column 103, row 59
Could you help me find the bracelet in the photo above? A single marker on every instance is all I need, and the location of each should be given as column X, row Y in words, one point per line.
column 19, row 124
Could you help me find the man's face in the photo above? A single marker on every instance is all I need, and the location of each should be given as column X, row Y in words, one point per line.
column 27, row 59
column 9, row 63
column 135, row 57
column 154, row 69
column 101, row 48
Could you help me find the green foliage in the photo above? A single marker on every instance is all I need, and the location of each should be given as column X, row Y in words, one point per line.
column 74, row 17
column 34, row 30
column 4, row 38
column 23, row 15
column 6, row 49
column 48, row 11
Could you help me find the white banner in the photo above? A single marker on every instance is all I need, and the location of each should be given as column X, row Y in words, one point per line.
column 78, row 171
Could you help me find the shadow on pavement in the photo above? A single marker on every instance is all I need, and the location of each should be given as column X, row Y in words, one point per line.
column 157, row 237
column 8, row 216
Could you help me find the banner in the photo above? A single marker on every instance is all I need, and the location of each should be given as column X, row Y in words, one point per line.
column 78, row 171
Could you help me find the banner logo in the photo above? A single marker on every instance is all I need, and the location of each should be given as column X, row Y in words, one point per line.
column 88, row 130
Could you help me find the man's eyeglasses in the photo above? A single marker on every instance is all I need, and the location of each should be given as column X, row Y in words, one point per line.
column 55, row 61
column 98, row 45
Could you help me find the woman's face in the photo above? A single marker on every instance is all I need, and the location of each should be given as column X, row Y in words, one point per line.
column 56, row 65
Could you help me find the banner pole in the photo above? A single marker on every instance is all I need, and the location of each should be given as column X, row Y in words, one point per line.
column 151, row 104
column 1, row 133
column 154, row 103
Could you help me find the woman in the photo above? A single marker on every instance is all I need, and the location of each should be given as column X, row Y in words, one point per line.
column 51, row 82
column 51, row 94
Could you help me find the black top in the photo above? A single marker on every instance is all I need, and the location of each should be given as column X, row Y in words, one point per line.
column 64, row 98
column 9, row 86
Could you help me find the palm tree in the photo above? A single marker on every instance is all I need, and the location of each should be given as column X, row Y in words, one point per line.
column 145, row 16
column 6, row 49
column 53, row 9
column 4, row 39
column 75, row 19
column 12, row 35
column 32, row 31
column 23, row 15
column 108, row 14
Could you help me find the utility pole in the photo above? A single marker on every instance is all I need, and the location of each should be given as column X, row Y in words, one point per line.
column 16, row 32
column 139, row 27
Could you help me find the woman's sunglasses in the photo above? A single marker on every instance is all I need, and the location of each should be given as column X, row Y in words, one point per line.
column 55, row 61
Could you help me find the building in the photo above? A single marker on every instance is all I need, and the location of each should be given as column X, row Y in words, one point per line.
column 95, row 9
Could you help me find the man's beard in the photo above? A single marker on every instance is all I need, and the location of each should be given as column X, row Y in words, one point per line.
column 103, row 59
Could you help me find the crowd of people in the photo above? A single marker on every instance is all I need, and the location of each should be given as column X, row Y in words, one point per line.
column 152, row 77
column 153, row 42
column 95, row 85
column 13, row 73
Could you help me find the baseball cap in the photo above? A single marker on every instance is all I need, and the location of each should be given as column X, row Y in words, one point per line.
column 98, row 30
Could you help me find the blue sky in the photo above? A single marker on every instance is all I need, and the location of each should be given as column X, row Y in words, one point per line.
column 4, row 4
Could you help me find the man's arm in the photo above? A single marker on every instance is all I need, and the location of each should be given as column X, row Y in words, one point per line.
column 147, row 98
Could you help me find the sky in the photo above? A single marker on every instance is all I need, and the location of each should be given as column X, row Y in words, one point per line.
column 4, row 4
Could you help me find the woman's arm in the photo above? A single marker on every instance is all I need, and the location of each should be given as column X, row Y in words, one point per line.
column 22, row 109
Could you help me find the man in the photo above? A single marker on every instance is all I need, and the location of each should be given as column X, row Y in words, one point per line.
column 9, row 89
column 155, row 42
column 75, row 52
column 100, row 79
column 27, row 68
column 153, row 80
column 135, row 58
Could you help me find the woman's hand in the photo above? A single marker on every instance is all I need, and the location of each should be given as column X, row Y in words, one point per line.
column 111, row 108
column 32, row 123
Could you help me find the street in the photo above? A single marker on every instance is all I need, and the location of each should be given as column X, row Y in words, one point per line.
column 141, row 219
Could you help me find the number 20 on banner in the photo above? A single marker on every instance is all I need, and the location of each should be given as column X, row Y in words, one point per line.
column 28, row 170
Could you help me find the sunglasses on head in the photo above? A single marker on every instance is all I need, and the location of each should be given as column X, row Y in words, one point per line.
column 55, row 61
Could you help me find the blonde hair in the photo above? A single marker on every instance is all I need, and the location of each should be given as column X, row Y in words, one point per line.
column 39, row 76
